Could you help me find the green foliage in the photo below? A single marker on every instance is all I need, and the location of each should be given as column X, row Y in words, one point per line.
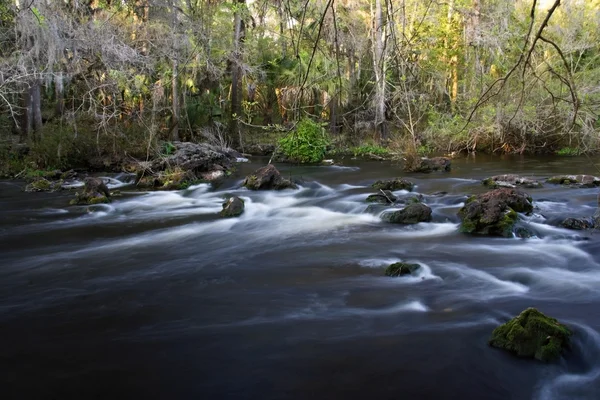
column 569, row 151
column 370, row 149
column 307, row 143
column 168, row 149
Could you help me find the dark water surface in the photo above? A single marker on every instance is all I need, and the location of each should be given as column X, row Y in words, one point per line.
column 154, row 296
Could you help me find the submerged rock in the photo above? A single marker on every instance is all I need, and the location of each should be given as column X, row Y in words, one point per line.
column 494, row 213
column 267, row 178
column 394, row 184
column 577, row 224
column 532, row 335
column 429, row 164
column 95, row 191
column 383, row 197
column 575, row 180
column 511, row 181
column 233, row 207
column 401, row 269
column 411, row 214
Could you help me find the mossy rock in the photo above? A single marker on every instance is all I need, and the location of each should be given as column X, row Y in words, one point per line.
column 394, row 184
column 494, row 213
column 532, row 335
column 84, row 199
column 401, row 269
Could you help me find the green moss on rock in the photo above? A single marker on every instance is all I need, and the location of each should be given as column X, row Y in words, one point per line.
column 401, row 269
column 532, row 335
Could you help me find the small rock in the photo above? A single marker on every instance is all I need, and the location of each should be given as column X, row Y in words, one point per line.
column 233, row 207
column 401, row 269
column 532, row 335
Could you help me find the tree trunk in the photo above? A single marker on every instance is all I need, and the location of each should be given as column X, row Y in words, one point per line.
column 236, row 72
column 175, row 82
column 36, row 106
column 379, row 67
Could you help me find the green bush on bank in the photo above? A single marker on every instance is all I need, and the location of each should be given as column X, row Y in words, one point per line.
column 307, row 143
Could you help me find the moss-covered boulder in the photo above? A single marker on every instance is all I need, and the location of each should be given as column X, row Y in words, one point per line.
column 394, row 184
column 429, row 164
column 401, row 269
column 94, row 191
column 575, row 180
column 383, row 197
column 494, row 213
column 267, row 178
column 532, row 335
column 232, row 207
column 511, row 181
column 411, row 214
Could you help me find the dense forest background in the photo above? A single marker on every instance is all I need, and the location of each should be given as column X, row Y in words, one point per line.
column 120, row 78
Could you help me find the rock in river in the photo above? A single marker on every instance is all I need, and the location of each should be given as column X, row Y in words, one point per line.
column 401, row 269
column 532, row 335
column 494, row 213
column 394, row 184
column 429, row 164
column 383, row 197
column 233, row 207
column 94, row 191
column 411, row 214
column 578, row 224
column 267, row 178
column 575, row 180
column 511, row 181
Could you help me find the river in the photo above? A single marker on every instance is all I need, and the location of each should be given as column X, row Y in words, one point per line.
column 154, row 296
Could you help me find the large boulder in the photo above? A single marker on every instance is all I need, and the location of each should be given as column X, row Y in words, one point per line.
column 494, row 213
column 267, row 178
column 575, row 180
column 233, row 207
column 94, row 191
column 532, row 335
column 383, row 197
column 394, row 184
column 411, row 214
column 511, row 181
column 401, row 269
column 196, row 157
column 429, row 164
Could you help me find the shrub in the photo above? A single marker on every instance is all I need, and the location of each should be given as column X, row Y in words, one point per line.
column 568, row 151
column 370, row 149
column 307, row 144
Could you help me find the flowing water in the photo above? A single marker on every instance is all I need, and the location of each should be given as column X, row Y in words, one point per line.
column 154, row 296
